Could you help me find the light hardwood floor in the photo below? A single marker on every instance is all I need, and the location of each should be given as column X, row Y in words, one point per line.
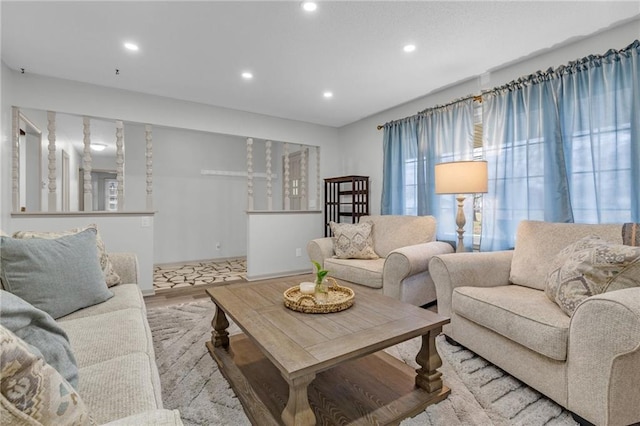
column 177, row 296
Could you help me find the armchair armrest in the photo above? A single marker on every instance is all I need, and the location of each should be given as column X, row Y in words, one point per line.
column 320, row 249
column 488, row 269
column 407, row 262
column 126, row 266
column 604, row 358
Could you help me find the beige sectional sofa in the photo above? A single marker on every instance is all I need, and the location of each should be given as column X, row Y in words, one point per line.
column 588, row 362
column 112, row 344
column 404, row 244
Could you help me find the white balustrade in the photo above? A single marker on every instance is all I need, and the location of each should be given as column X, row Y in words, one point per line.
column 120, row 163
column 148, row 137
column 287, row 199
column 87, row 165
column 51, row 127
column 15, row 158
column 250, row 173
column 268, row 173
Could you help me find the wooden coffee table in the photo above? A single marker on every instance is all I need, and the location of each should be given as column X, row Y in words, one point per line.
column 304, row 369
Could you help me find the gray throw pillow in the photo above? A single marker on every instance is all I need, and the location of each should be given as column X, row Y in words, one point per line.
column 59, row 276
column 39, row 330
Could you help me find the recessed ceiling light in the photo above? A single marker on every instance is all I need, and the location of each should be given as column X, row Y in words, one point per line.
column 131, row 46
column 409, row 48
column 98, row 146
column 328, row 94
column 247, row 75
column 309, row 6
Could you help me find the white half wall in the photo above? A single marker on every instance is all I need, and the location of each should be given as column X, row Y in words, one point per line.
column 277, row 242
column 121, row 232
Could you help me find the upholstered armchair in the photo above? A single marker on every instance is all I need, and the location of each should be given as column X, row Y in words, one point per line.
column 404, row 246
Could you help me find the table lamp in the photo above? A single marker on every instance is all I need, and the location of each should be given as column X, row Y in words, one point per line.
column 461, row 177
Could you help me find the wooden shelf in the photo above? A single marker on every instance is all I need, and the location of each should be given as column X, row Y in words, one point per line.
column 346, row 200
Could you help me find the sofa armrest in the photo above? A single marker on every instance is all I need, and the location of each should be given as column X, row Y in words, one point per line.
column 126, row 266
column 603, row 360
column 320, row 249
column 448, row 271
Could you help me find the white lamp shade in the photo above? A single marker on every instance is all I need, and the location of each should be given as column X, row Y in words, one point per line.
column 461, row 177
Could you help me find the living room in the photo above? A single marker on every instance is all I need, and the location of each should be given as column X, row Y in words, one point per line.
column 347, row 146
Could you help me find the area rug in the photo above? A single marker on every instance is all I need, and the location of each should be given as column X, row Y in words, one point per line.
column 481, row 394
column 198, row 273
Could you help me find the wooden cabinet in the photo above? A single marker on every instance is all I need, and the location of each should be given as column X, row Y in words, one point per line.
column 346, row 198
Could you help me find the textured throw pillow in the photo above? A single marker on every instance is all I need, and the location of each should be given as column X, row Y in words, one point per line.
column 110, row 275
column 33, row 392
column 58, row 276
column 631, row 234
column 353, row 240
column 591, row 266
column 39, row 329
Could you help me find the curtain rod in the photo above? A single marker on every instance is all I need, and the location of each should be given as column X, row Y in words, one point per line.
column 540, row 74
column 476, row 98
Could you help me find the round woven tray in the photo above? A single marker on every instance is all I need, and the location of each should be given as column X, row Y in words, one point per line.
column 339, row 299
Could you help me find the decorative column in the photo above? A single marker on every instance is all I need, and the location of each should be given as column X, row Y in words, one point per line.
column 15, row 159
column 149, row 165
column 303, row 178
column 249, row 173
column 318, row 200
column 51, row 127
column 120, row 163
column 269, row 183
column 86, row 165
column 287, row 201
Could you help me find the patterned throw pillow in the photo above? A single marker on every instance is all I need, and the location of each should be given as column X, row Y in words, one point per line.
column 591, row 266
column 110, row 276
column 33, row 392
column 631, row 234
column 353, row 240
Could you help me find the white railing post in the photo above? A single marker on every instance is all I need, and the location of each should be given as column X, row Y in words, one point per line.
column 120, row 163
column 149, row 165
column 249, row 173
column 269, row 183
column 86, row 165
column 51, row 127
column 303, row 178
column 318, row 186
column 15, row 158
column 287, row 200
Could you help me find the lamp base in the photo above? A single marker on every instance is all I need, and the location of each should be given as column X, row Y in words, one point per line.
column 460, row 221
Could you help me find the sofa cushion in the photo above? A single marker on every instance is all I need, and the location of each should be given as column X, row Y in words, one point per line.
column 39, row 330
column 120, row 387
column 129, row 336
column 352, row 240
column 32, row 391
column 518, row 313
column 58, row 276
column 390, row 232
column 591, row 266
column 125, row 296
column 365, row 272
column 538, row 243
column 110, row 275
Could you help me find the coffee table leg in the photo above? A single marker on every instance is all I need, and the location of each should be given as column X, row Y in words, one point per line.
column 298, row 412
column 220, row 335
column 428, row 378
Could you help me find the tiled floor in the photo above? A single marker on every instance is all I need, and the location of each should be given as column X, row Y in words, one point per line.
column 199, row 273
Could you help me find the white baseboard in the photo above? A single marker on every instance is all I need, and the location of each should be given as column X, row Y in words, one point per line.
column 278, row 275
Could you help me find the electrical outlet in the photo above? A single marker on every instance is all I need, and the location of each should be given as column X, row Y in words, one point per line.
column 298, row 252
column 145, row 222
column 218, row 246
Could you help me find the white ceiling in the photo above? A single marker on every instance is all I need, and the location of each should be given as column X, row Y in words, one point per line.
column 196, row 50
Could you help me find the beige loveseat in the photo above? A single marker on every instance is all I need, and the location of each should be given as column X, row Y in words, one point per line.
column 405, row 245
column 112, row 345
column 588, row 362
